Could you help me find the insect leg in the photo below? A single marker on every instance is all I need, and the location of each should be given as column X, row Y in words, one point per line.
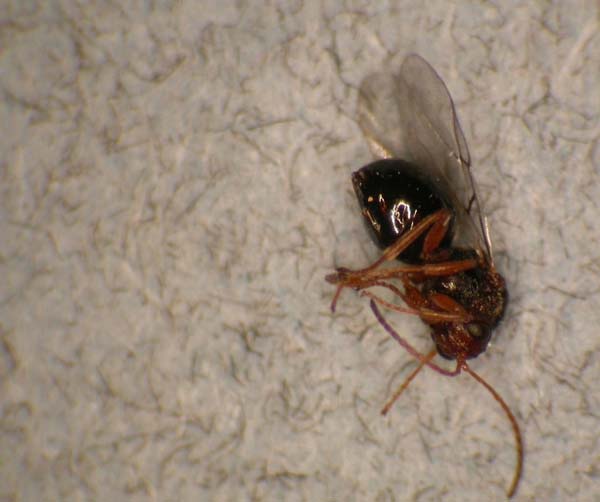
column 435, row 235
column 408, row 347
column 359, row 279
column 417, row 305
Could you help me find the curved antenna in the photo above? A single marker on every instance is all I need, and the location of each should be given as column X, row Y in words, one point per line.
column 425, row 360
column 515, row 426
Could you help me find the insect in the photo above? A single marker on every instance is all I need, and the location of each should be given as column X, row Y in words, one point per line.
column 421, row 206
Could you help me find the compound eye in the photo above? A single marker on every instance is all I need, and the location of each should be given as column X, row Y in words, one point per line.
column 475, row 330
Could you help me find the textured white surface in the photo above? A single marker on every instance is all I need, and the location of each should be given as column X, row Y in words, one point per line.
column 175, row 185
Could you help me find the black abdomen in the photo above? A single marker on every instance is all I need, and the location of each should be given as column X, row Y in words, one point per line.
column 394, row 196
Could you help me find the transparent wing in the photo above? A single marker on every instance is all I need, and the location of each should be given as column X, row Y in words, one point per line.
column 411, row 115
column 378, row 117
